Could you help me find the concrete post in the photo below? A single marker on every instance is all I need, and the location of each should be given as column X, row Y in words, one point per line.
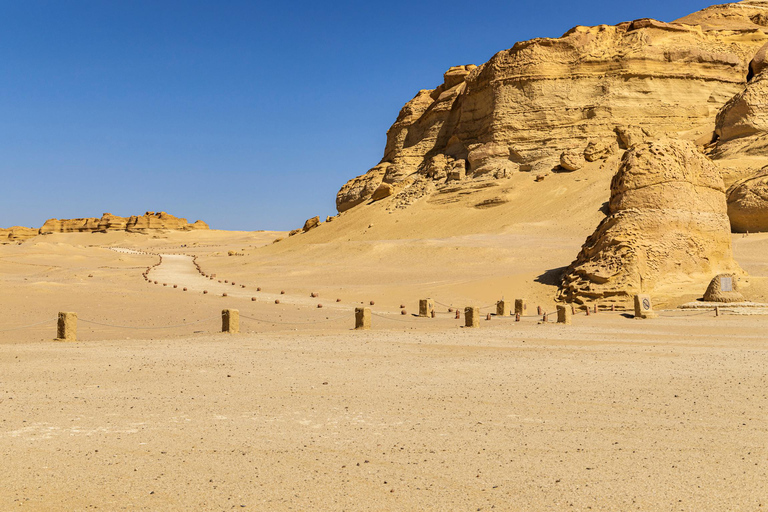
column 502, row 308
column 520, row 307
column 66, row 327
column 363, row 318
column 644, row 307
column 471, row 317
column 230, row 321
column 564, row 315
column 426, row 307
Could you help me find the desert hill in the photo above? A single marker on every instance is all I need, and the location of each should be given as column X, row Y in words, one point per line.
column 525, row 147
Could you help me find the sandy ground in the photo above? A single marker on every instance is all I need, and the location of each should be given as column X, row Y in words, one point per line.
column 154, row 409
column 609, row 414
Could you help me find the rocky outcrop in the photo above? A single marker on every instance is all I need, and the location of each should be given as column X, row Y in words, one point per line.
column 586, row 93
column 724, row 288
column 311, row 224
column 149, row 222
column 667, row 226
column 748, row 203
column 17, row 234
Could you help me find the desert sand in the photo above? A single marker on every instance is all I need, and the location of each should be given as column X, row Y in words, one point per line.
column 303, row 412
column 612, row 161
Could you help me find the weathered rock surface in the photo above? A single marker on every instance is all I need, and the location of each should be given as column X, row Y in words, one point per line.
column 748, row 203
column 311, row 224
column 667, row 225
column 591, row 90
column 572, row 160
column 724, row 288
column 146, row 223
column 17, row 234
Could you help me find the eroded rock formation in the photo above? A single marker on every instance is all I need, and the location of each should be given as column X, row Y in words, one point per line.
column 748, row 203
column 146, row 223
column 17, row 234
column 667, row 226
column 585, row 94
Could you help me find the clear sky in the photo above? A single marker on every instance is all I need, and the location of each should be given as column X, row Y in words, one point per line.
column 246, row 114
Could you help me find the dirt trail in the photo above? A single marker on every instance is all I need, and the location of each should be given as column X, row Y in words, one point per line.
column 179, row 269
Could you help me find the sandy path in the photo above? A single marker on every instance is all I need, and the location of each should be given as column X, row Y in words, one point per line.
column 180, row 269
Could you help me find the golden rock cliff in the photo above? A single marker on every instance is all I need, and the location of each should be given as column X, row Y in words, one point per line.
column 546, row 102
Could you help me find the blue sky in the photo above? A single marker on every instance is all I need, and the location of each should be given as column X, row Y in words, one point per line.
column 246, row 114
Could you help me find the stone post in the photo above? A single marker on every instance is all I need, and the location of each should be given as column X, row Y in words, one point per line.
column 66, row 327
column 502, row 308
column 471, row 317
column 363, row 318
column 564, row 315
column 520, row 307
column 230, row 321
column 644, row 307
column 426, row 307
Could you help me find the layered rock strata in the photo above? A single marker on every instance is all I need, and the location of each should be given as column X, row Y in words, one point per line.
column 667, row 226
column 584, row 95
column 146, row 223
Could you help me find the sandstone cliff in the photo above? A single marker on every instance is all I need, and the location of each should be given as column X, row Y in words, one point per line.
column 146, row 223
column 590, row 92
column 667, row 227
column 17, row 234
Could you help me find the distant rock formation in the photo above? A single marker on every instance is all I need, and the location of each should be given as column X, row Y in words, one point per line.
column 667, row 226
column 17, row 234
column 147, row 223
column 555, row 103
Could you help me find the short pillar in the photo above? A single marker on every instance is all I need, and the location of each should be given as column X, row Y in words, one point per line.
column 426, row 307
column 230, row 321
column 66, row 327
column 564, row 315
column 520, row 307
column 644, row 307
column 471, row 317
column 363, row 318
column 502, row 308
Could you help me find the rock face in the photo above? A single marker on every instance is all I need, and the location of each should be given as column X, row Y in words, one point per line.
column 591, row 90
column 724, row 288
column 146, row 223
column 748, row 203
column 667, row 226
column 17, row 234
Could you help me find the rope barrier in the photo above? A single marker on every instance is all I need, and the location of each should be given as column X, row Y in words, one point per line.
column 391, row 319
column 149, row 328
column 673, row 314
column 28, row 326
column 261, row 320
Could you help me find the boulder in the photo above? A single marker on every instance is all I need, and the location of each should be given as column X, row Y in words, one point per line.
column 724, row 288
column 311, row 224
column 572, row 160
column 599, row 150
column 458, row 171
column 360, row 189
column 667, row 227
column 748, row 203
column 384, row 190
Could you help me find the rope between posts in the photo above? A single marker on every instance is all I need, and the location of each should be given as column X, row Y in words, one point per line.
column 28, row 326
column 149, row 328
column 392, row 319
column 670, row 314
column 297, row 323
